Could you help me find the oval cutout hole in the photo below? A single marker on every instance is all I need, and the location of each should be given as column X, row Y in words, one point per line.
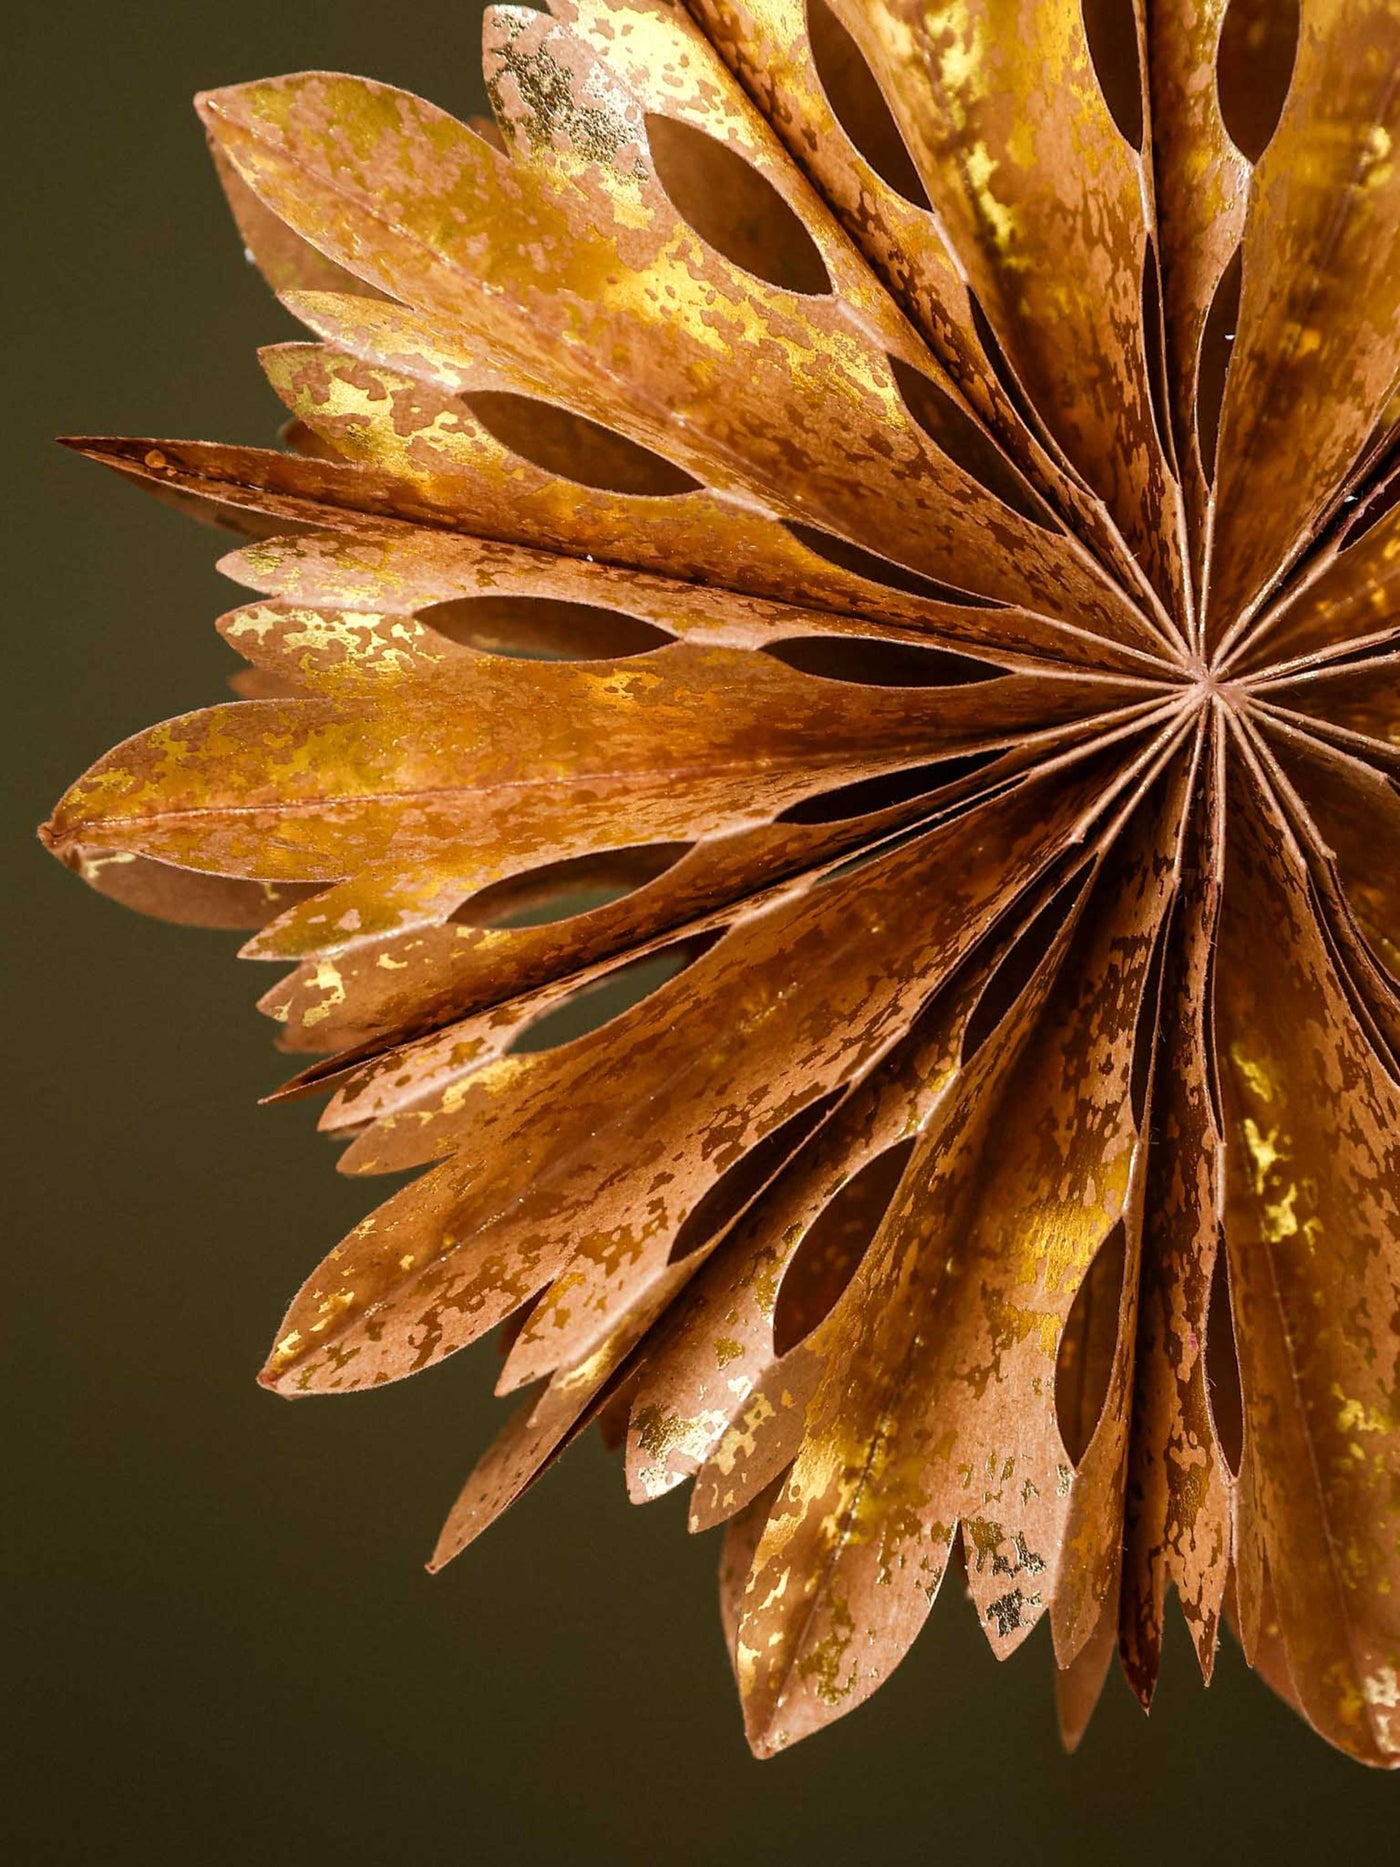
column 1213, row 366
column 740, row 1184
column 1223, row 1392
column 1149, row 1023
column 734, row 208
column 598, row 1004
column 1010, row 383
column 1015, row 969
column 1357, row 657
column 1154, row 345
column 1110, row 26
column 830, row 1253
column 886, row 790
column 883, row 846
column 1370, row 512
column 559, row 891
column 1377, row 459
column 1084, row 1364
column 536, row 627
column 1254, row 68
column 858, row 103
column 869, row 661
column 575, row 448
column 857, row 562
column 954, row 431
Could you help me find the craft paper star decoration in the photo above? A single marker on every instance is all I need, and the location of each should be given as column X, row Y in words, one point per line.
column 821, row 743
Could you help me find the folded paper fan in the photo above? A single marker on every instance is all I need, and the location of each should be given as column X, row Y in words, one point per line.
column 822, row 744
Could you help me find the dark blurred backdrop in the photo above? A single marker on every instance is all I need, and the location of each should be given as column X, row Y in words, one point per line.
column 225, row 1644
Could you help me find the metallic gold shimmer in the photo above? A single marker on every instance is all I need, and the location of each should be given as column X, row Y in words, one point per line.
column 820, row 748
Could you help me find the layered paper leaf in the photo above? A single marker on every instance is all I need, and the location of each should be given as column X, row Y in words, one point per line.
column 819, row 748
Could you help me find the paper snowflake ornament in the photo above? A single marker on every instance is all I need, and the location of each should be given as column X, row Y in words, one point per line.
column 868, row 529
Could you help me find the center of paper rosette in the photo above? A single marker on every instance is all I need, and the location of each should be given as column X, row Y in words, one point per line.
column 1208, row 688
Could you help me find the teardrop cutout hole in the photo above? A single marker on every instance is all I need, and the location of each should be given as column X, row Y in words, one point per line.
column 1016, row 968
column 1149, row 1020
column 1010, row 383
column 887, row 790
column 1376, row 463
column 1110, row 26
column 734, row 208
column 535, row 627
column 885, row 846
column 574, row 448
column 1338, row 666
column 858, row 103
column 956, row 434
column 1370, row 511
column 1254, row 68
column 1213, row 364
column 871, row 661
column 1084, row 1364
column 1223, row 1391
column 858, row 562
column 622, row 990
column 559, row 891
column 830, row 1253
column 740, row 1184
column 1154, row 344
column 1212, row 1060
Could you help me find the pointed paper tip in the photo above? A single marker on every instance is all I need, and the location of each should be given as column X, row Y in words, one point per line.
column 1071, row 1734
column 208, row 105
column 765, row 1740
column 450, row 1544
column 255, row 949
column 236, row 103
column 529, row 1360
column 315, row 1079
column 61, row 832
column 99, row 447
column 275, row 1375
column 647, row 1483
column 1141, row 1671
column 225, row 110
column 125, row 453
column 1074, row 1710
column 452, row 1540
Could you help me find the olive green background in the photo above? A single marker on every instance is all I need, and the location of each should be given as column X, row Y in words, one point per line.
column 223, row 1646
